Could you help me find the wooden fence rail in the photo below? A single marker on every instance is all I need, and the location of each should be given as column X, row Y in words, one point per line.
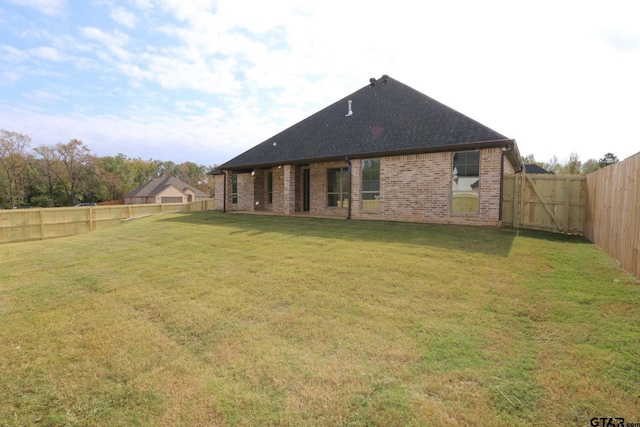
column 553, row 203
column 613, row 212
column 36, row 224
column 604, row 206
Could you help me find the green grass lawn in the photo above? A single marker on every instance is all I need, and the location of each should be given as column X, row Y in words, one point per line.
column 228, row 319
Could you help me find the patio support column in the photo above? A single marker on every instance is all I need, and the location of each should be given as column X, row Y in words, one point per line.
column 228, row 195
column 289, row 190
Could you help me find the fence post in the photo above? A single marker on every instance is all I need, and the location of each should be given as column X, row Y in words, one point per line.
column 567, row 205
column 517, row 197
column 41, row 224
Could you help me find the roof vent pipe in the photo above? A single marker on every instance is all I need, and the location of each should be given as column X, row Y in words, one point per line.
column 350, row 113
column 372, row 81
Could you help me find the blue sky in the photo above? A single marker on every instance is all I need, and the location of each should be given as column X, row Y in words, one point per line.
column 204, row 80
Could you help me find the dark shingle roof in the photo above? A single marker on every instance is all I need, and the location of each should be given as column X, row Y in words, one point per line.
column 158, row 185
column 533, row 168
column 388, row 118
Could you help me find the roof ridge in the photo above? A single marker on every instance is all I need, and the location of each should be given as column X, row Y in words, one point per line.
column 385, row 116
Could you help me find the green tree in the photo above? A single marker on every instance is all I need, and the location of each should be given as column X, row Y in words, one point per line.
column 48, row 171
column 553, row 165
column 590, row 166
column 530, row 159
column 142, row 172
column 13, row 165
column 607, row 160
column 116, row 175
column 573, row 165
column 72, row 166
column 193, row 174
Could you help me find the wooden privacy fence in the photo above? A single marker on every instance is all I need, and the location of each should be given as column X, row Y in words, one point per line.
column 553, row 203
column 36, row 224
column 613, row 212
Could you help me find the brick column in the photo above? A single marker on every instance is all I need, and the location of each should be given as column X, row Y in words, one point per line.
column 218, row 182
column 229, row 197
column 289, row 190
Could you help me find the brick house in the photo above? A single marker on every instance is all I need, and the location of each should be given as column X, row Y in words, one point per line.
column 164, row 190
column 384, row 152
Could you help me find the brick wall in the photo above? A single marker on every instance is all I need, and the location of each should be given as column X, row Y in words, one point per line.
column 218, row 188
column 413, row 188
column 246, row 192
column 418, row 188
column 318, row 194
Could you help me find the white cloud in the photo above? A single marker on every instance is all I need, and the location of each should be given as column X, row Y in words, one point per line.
column 11, row 54
column 622, row 40
column 47, row 7
column 124, row 17
column 557, row 76
column 113, row 41
column 177, row 72
column 190, row 106
column 48, row 53
column 40, row 96
column 210, row 138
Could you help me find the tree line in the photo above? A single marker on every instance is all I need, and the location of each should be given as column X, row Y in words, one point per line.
column 573, row 166
column 67, row 174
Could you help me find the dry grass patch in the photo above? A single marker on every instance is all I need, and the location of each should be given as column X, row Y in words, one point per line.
column 213, row 319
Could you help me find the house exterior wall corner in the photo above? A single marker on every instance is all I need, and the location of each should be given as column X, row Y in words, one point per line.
column 289, row 190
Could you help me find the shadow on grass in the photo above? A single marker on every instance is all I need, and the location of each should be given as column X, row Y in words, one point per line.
column 552, row 237
column 490, row 241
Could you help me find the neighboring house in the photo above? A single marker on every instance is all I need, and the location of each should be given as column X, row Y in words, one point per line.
column 384, row 152
column 164, row 190
column 533, row 168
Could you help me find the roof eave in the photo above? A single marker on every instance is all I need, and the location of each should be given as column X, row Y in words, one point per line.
column 506, row 143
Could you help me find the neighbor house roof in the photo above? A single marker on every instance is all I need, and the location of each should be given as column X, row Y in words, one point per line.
column 158, row 185
column 533, row 168
column 385, row 117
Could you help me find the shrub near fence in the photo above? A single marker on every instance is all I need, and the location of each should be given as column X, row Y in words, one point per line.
column 37, row 224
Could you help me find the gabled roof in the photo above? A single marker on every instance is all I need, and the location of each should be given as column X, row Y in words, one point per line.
column 387, row 118
column 158, row 185
column 533, row 168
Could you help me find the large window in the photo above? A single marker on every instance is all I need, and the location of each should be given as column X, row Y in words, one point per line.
column 270, row 187
column 234, row 189
column 338, row 187
column 371, row 184
column 466, row 182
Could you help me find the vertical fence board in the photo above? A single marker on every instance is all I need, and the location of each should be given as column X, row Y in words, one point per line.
column 613, row 211
column 553, row 203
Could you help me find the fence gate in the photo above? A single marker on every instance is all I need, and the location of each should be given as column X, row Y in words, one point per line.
column 553, row 203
